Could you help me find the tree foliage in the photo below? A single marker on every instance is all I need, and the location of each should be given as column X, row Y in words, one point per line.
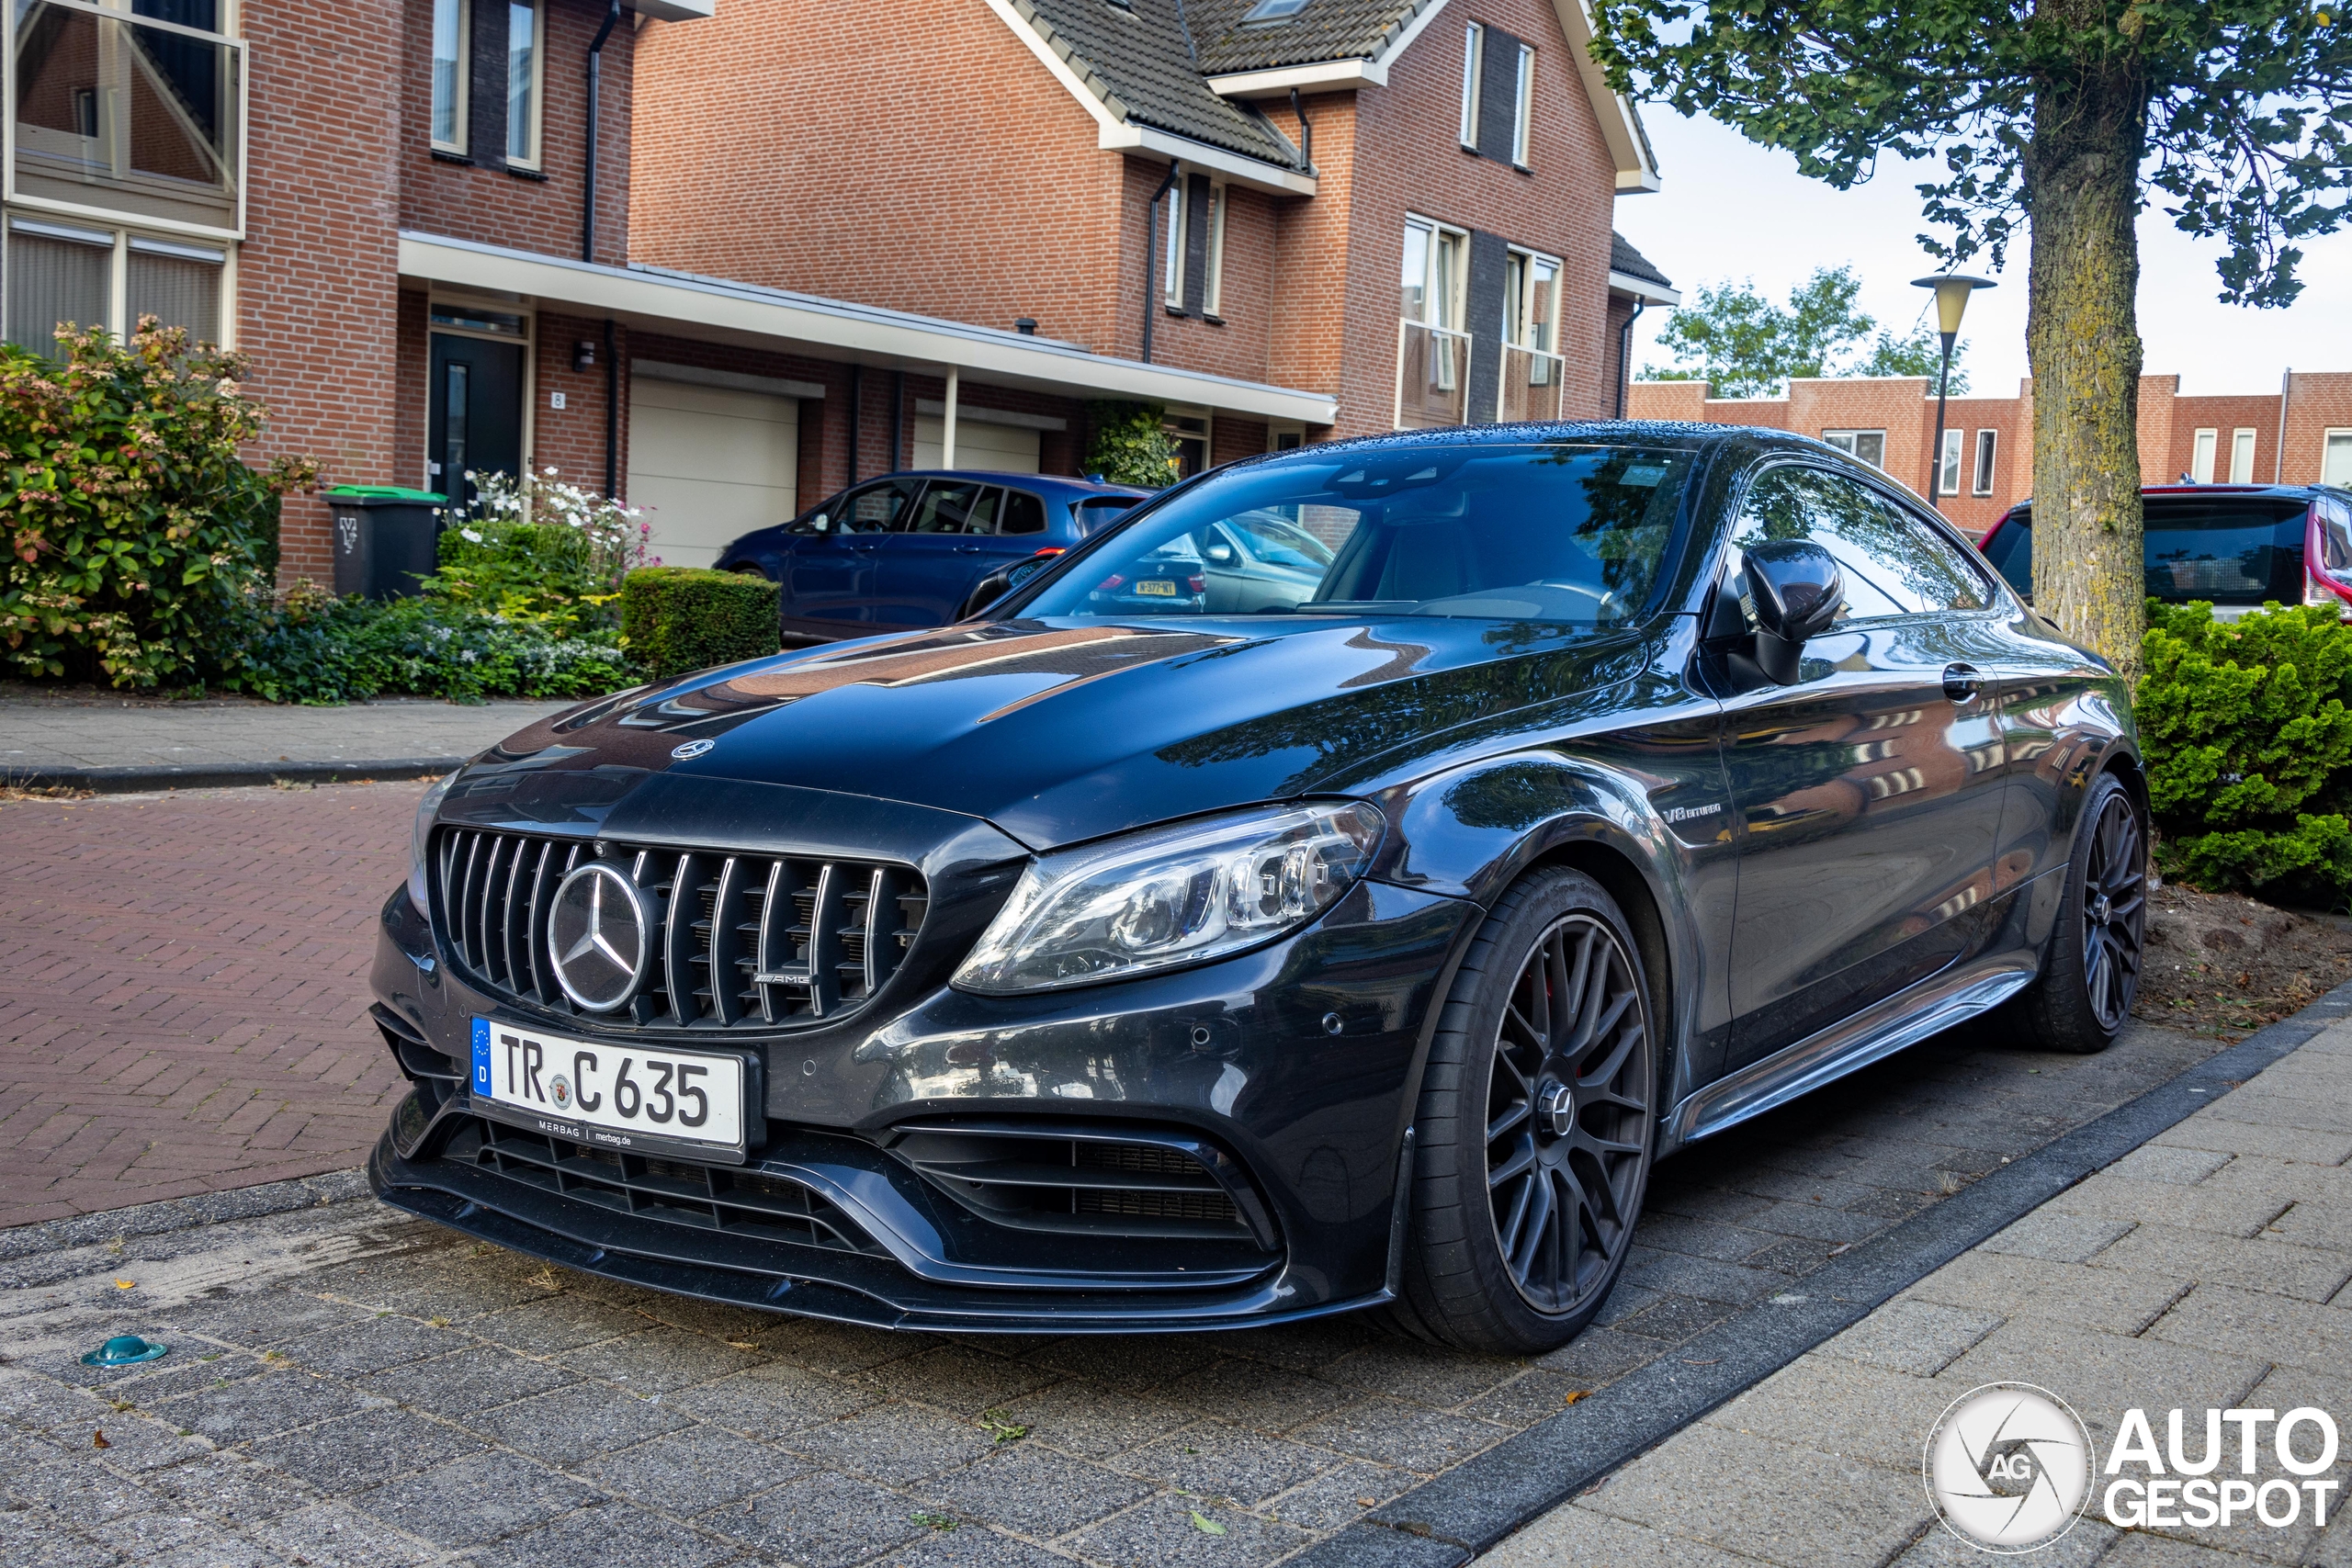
column 2246, row 104
column 1129, row 445
column 1743, row 345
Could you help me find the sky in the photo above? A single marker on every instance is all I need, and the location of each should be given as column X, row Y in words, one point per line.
column 1729, row 210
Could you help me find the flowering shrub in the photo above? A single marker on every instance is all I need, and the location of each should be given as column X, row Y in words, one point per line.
column 324, row 650
column 541, row 545
column 141, row 545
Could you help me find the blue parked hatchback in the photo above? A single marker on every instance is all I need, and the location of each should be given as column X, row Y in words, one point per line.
column 906, row 550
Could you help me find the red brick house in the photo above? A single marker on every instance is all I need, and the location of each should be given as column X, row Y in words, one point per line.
column 705, row 296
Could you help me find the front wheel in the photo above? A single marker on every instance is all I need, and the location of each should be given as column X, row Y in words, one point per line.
column 1535, row 1125
column 2083, row 998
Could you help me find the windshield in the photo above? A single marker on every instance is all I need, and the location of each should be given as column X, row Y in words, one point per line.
column 1543, row 531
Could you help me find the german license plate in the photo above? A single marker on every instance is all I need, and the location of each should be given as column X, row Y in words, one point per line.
column 1157, row 588
column 622, row 1096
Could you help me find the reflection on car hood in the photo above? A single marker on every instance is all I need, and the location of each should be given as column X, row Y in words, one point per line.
column 1062, row 730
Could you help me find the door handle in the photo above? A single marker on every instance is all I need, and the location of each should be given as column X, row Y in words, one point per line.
column 1962, row 682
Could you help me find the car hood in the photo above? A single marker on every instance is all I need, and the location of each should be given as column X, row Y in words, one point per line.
column 1061, row 730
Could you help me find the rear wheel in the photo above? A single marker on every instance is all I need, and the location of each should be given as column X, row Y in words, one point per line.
column 1535, row 1125
column 2083, row 998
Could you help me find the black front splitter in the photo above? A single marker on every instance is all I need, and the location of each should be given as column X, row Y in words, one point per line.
column 839, row 1286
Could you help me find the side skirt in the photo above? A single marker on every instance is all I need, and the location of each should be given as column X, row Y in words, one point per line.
column 1873, row 1034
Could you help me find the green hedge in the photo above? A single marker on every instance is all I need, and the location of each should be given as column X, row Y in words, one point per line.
column 675, row 619
column 2247, row 730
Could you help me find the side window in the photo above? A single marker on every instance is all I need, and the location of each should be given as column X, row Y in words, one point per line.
column 1022, row 514
column 952, row 508
column 1893, row 564
column 878, row 509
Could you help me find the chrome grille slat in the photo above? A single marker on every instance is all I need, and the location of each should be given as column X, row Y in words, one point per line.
column 741, row 940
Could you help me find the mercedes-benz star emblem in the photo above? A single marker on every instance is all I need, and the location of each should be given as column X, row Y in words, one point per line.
column 690, row 749
column 596, row 936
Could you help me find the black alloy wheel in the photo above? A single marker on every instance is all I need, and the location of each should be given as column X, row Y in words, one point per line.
column 2115, row 911
column 1535, row 1123
column 2082, row 1000
column 1564, row 1111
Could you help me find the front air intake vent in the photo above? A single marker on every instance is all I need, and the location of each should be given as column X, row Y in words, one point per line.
column 1105, row 1181
column 737, row 940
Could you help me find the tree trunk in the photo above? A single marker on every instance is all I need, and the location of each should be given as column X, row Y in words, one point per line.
column 2083, row 342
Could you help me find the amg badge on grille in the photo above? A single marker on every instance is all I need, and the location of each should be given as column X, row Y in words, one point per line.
column 597, row 936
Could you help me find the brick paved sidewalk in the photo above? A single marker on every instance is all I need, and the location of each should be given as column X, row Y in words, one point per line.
column 183, row 992
column 43, row 734
column 2206, row 1269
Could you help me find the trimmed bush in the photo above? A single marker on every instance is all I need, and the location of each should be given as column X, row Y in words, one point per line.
column 676, row 619
column 1130, row 444
column 2248, row 742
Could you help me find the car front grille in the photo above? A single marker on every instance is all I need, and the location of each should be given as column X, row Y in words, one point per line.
column 741, row 940
column 741, row 1202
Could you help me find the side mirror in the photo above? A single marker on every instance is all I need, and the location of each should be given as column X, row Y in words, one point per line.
column 1219, row 553
column 819, row 523
column 1001, row 581
column 1794, row 589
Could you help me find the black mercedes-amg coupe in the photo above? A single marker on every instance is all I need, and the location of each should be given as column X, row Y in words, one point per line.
column 1160, row 951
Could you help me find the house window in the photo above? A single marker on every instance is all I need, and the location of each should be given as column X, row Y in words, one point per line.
column 2242, row 456
column 2336, row 458
column 1273, row 11
column 2201, row 456
column 449, row 74
column 1947, row 468
column 1474, row 38
column 1530, row 327
column 523, row 68
column 1522, row 112
column 1188, row 431
column 1433, row 351
column 110, row 278
column 1986, row 442
column 1869, row 445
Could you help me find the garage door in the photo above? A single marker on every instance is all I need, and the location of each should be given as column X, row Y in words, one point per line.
column 1004, row 449
column 709, row 464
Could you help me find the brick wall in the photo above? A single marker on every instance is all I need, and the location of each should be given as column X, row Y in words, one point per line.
column 571, row 439
column 2316, row 403
column 315, row 278
column 2224, row 416
column 929, row 164
column 487, row 202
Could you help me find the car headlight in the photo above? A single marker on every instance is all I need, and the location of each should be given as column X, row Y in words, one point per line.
column 417, row 893
column 1172, row 896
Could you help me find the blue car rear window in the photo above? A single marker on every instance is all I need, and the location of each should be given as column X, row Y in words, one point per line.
column 2225, row 552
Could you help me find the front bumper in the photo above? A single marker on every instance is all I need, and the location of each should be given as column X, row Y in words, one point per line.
column 834, row 1217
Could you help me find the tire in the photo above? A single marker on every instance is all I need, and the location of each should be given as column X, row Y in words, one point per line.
column 1532, row 1158
column 2083, row 998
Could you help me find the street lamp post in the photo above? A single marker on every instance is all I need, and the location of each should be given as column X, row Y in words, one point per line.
column 1952, row 299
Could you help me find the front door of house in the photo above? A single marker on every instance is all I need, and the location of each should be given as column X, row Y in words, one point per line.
column 474, row 424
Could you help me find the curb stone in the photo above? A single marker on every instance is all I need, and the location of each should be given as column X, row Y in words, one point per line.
column 183, row 1214
column 142, row 778
column 1452, row 1518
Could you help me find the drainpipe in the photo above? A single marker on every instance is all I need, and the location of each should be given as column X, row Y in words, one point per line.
column 1626, row 354
column 856, row 414
column 1305, row 133
column 1152, row 259
column 612, row 412
column 2279, row 453
column 596, row 77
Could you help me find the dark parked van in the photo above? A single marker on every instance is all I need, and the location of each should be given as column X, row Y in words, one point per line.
column 2236, row 546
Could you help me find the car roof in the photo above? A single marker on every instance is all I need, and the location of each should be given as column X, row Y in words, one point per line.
column 2196, row 491
column 1064, row 485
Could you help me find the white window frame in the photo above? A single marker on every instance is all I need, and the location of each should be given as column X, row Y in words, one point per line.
column 1171, row 279
column 2329, row 441
column 461, row 106
column 1213, row 284
column 120, row 242
column 1523, row 109
column 2202, row 450
column 1849, row 441
column 2241, row 447
column 1948, row 467
column 539, row 10
column 1436, row 234
column 1473, row 49
column 1988, row 449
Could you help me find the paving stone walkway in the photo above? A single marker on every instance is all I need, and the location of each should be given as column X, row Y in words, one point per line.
column 2206, row 1269
column 43, row 733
